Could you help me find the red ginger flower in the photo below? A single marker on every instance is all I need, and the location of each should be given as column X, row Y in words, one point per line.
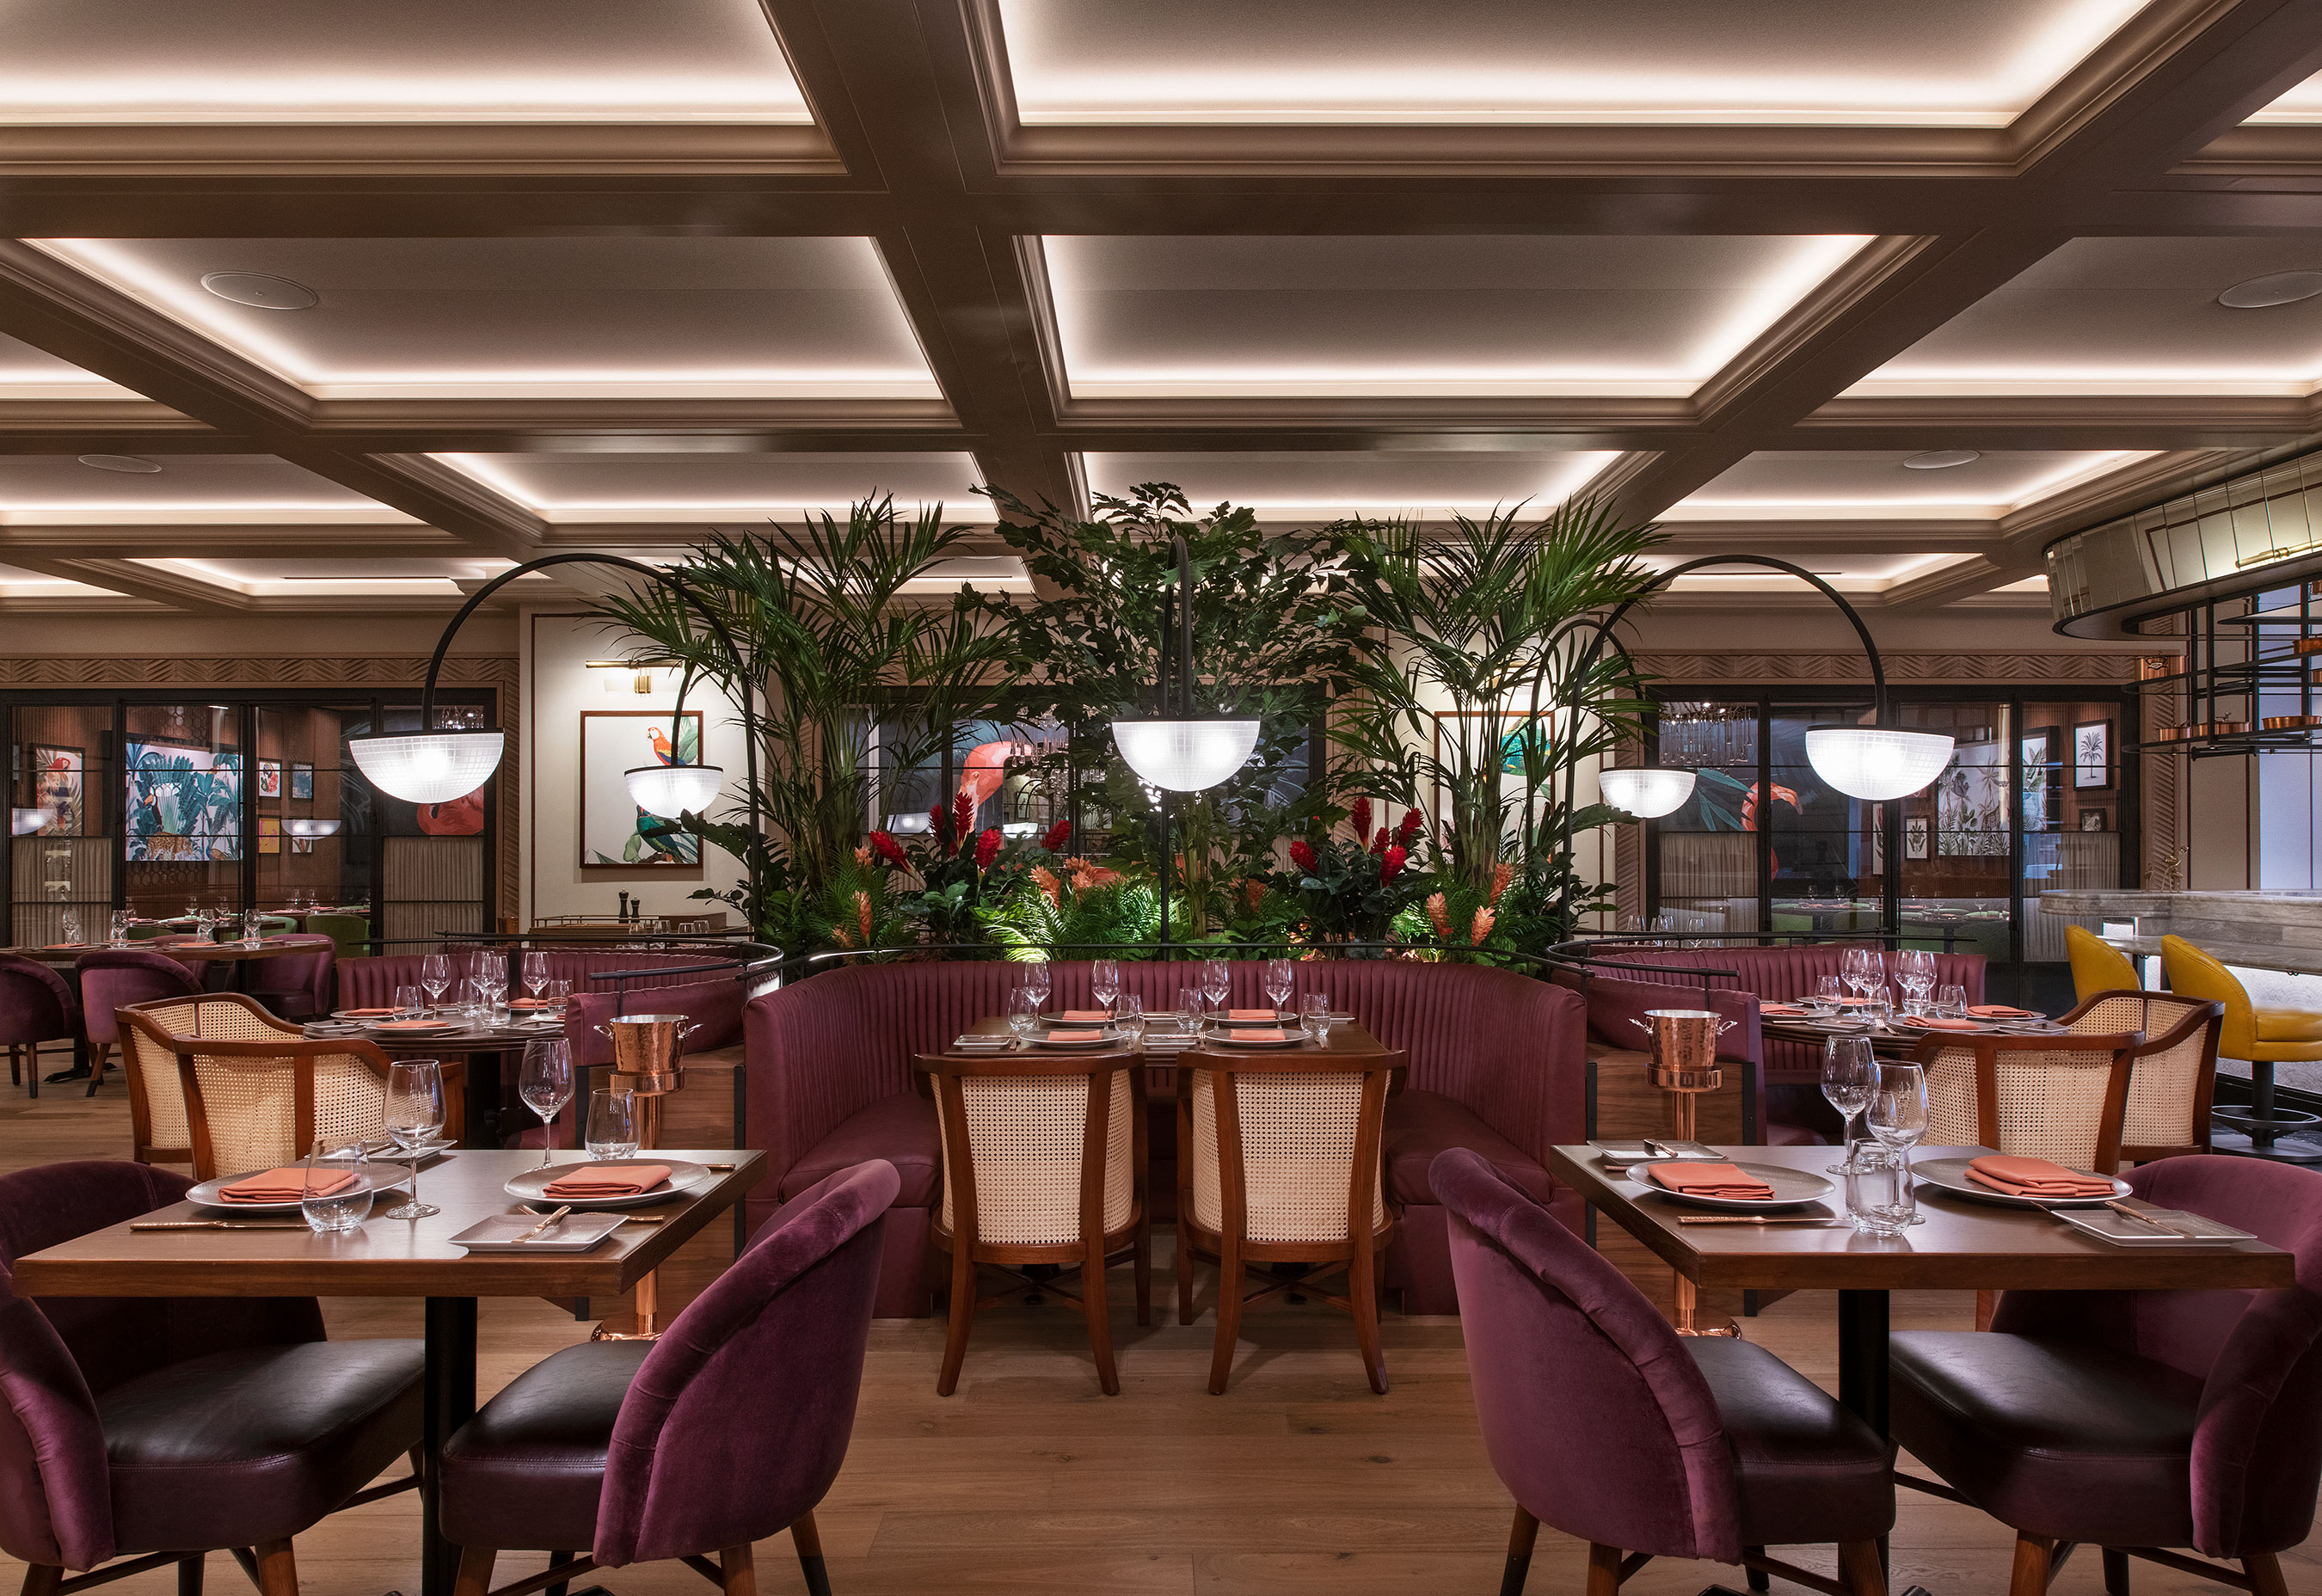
column 1059, row 835
column 890, row 850
column 1302, row 855
column 939, row 822
column 1438, row 915
column 1378, row 843
column 1501, row 874
column 1254, row 890
column 1361, row 816
column 1481, row 927
column 962, row 815
column 1391, row 864
column 1412, row 821
column 987, row 848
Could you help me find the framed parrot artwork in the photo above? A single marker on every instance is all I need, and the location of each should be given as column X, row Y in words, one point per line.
column 615, row 833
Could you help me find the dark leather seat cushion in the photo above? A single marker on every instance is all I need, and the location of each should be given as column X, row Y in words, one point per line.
column 1807, row 1469
column 525, row 1473
column 1779, row 1134
column 256, row 1444
column 900, row 1130
column 1421, row 1124
column 2051, row 1436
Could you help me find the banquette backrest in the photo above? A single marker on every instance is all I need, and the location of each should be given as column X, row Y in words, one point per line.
column 372, row 982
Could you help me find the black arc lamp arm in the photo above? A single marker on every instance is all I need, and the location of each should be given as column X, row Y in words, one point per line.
column 674, row 581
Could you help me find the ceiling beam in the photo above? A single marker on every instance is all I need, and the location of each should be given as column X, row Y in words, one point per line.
column 168, row 588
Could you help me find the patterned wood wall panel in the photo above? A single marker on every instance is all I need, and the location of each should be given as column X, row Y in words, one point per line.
column 242, row 673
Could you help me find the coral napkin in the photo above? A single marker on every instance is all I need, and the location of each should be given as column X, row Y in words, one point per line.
column 1999, row 1012
column 626, row 1180
column 1937, row 1022
column 1083, row 1016
column 1708, row 1179
column 283, row 1185
column 368, row 1013
column 2034, row 1177
column 1253, row 1014
column 1274, row 1035
column 415, row 1024
column 1781, row 1011
column 1076, row 1035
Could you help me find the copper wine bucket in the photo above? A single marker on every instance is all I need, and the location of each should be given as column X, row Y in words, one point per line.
column 646, row 1048
column 1685, row 1046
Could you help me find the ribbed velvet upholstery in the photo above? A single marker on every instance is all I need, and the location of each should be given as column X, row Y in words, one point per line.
column 114, row 978
column 365, row 983
column 2256, row 1459
column 36, row 1003
column 299, row 986
column 715, row 1002
column 1506, row 1048
column 1595, row 1416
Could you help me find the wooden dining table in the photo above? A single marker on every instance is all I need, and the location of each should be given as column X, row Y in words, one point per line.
column 482, row 1043
column 396, row 1258
column 1891, row 1041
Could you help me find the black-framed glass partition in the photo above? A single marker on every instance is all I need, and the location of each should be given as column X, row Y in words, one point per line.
column 2038, row 796
column 163, row 803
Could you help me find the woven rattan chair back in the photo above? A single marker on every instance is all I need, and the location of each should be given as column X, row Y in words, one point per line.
column 158, row 1129
column 1281, row 1161
column 1044, row 1161
column 2058, row 1097
column 2173, row 1073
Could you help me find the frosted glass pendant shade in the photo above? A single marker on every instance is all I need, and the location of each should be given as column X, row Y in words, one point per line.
column 1188, row 755
column 1877, row 763
column 303, row 827
column 429, row 767
column 669, row 791
column 1647, row 792
column 24, row 823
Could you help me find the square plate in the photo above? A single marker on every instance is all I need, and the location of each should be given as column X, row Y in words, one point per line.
column 575, row 1233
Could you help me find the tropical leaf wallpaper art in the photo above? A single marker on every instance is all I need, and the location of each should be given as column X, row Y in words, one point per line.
column 184, row 803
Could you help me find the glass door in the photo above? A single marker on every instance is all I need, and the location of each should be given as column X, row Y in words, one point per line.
column 64, row 800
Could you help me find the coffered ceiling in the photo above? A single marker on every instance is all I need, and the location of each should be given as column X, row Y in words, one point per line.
column 395, row 296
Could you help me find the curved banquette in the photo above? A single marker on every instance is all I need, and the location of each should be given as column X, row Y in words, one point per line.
column 1496, row 1065
column 365, row 983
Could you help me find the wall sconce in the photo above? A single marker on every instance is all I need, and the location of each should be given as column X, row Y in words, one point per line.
column 625, row 676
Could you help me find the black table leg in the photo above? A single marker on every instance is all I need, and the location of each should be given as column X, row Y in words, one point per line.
column 451, row 1403
column 1862, row 1356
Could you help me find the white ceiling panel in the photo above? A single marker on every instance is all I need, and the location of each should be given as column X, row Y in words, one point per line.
column 1963, row 63
column 415, row 60
column 628, row 488
column 2127, row 315
column 2300, row 104
column 193, row 489
column 543, row 317
column 1808, row 485
column 1322, row 487
column 1151, row 317
column 29, row 373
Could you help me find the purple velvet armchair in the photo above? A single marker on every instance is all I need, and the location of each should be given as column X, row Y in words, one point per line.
column 114, row 978
column 2141, row 1419
column 298, row 986
column 726, row 1430
column 160, row 1428
column 37, row 1005
column 1603, row 1424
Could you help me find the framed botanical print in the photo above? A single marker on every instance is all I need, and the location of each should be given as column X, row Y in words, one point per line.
column 302, row 782
column 59, row 779
column 2043, row 797
column 2093, row 819
column 270, row 779
column 1917, row 832
column 2092, row 754
column 615, row 833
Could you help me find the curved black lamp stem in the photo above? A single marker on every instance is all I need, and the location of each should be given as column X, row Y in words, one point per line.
column 1184, row 629
column 675, row 580
column 1604, row 632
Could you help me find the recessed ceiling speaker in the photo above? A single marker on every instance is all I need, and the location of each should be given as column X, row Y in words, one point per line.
column 2281, row 288
column 1940, row 460
column 259, row 289
column 128, row 465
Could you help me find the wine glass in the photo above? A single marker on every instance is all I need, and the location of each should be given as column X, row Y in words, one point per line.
column 1038, row 978
column 1129, row 1018
column 1023, row 1015
column 1850, row 1074
column 1850, row 966
column 414, row 1114
column 1104, row 980
column 1214, row 982
column 486, row 970
column 612, row 1122
column 1188, row 1010
column 1277, row 986
column 535, row 974
column 545, row 1082
column 1915, row 970
column 68, row 926
column 1899, row 1118
column 333, row 1194
column 435, row 975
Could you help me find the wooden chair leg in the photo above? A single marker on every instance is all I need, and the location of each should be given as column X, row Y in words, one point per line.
column 277, row 1570
column 1604, row 1570
column 190, row 1574
column 1230, row 1296
column 1185, row 1271
column 1097, row 1310
column 1859, row 1568
column 2029, row 1575
column 42, row 1579
column 1757, row 1579
column 1987, row 1303
column 2116, row 1573
column 1521, row 1536
column 2264, row 1571
column 1362, row 1290
column 1142, row 1252
column 809, row 1542
column 962, row 1311
column 475, row 1578
column 736, row 1574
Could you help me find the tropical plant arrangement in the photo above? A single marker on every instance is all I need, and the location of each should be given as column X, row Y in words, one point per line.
column 964, row 876
column 1350, row 887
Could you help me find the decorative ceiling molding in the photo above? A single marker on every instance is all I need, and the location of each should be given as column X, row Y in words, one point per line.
column 2059, row 666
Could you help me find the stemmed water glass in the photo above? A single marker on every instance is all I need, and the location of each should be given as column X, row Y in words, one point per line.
column 414, row 1113
column 1214, row 983
column 1036, row 981
column 1023, row 1015
column 1862, row 969
column 535, row 974
column 545, row 1084
column 1188, row 1010
column 487, row 973
column 1104, row 981
column 435, row 975
column 1850, row 1074
column 1277, row 986
column 1915, row 973
column 1129, row 1018
column 1899, row 1118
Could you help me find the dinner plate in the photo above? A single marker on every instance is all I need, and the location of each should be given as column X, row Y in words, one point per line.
column 1229, row 1039
column 362, row 1016
column 532, row 1185
column 411, row 1028
column 1263, row 1024
column 1950, row 1175
column 1792, row 1189
column 377, row 1177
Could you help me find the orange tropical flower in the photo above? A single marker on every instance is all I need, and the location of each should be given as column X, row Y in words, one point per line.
column 1047, row 882
column 1482, row 928
column 1439, row 914
column 863, row 915
column 1501, row 874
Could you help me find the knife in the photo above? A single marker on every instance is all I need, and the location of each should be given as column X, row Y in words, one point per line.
column 1754, row 1219
column 220, row 1225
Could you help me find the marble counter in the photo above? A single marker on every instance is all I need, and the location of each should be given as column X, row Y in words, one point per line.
column 2251, row 930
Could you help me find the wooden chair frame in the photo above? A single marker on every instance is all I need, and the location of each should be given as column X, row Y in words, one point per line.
column 1230, row 1248
column 1091, row 1251
column 1861, row 1570
column 2124, row 1046
column 735, row 1573
column 2206, row 1015
column 295, row 1045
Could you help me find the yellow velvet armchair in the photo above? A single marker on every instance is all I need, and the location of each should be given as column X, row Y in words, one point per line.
column 2260, row 1036
column 2097, row 966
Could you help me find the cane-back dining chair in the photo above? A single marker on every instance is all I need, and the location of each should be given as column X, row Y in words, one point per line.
column 259, row 1093
column 2173, row 1073
column 2040, row 1096
column 1044, row 1161
column 1280, row 1162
